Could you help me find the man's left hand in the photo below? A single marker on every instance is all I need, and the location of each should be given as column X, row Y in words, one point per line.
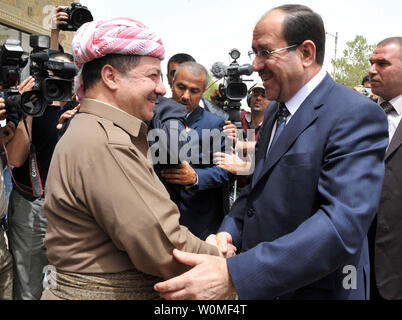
column 183, row 174
column 208, row 280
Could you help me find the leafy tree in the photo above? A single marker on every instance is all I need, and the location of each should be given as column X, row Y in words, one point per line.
column 355, row 64
column 212, row 85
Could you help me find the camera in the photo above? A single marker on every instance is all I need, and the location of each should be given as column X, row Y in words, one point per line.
column 366, row 92
column 77, row 16
column 47, row 87
column 234, row 89
column 11, row 65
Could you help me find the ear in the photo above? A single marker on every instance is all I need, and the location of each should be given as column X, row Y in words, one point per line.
column 308, row 51
column 109, row 77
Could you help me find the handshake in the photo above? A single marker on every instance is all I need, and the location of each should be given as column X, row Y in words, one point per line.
column 224, row 242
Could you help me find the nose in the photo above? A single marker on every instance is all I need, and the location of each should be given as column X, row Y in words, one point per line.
column 372, row 70
column 160, row 89
column 186, row 95
column 257, row 64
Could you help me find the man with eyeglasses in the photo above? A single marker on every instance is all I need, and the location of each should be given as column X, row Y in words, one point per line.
column 301, row 225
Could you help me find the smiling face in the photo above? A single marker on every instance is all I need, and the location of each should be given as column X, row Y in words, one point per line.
column 139, row 88
column 386, row 71
column 282, row 73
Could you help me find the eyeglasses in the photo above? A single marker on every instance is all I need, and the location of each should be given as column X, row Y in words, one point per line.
column 265, row 54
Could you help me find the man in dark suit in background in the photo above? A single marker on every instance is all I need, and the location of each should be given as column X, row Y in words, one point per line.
column 197, row 183
column 386, row 232
column 301, row 225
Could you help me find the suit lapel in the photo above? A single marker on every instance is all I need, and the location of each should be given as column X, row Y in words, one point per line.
column 194, row 117
column 395, row 142
column 265, row 136
column 302, row 119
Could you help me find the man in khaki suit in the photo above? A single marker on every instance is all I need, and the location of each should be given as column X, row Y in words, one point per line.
column 111, row 225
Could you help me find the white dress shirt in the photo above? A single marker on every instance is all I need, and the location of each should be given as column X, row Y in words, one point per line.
column 394, row 118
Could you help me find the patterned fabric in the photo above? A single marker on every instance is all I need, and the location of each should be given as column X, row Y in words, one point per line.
column 124, row 36
column 387, row 106
column 282, row 115
column 130, row 285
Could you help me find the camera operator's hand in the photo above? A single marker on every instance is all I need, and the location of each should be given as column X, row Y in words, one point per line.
column 230, row 131
column 26, row 85
column 7, row 133
column 67, row 115
column 59, row 17
column 358, row 88
column 3, row 112
column 216, row 97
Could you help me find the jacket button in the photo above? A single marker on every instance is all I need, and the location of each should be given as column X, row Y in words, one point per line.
column 250, row 213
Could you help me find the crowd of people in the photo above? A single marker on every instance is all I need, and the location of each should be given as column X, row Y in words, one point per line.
column 149, row 197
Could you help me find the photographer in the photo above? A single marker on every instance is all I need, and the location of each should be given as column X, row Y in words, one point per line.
column 27, row 222
column 365, row 89
column 6, row 261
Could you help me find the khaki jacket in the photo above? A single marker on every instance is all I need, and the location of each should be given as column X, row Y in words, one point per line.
column 107, row 210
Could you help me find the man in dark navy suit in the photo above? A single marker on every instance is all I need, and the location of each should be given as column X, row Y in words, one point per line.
column 198, row 184
column 301, row 225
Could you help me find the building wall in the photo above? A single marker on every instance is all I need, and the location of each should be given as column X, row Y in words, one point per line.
column 33, row 17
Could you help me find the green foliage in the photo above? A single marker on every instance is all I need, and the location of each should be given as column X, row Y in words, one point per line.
column 355, row 64
column 215, row 86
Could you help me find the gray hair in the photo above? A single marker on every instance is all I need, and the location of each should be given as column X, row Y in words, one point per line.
column 195, row 69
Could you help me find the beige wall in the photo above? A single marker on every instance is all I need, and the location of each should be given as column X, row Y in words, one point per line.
column 33, row 17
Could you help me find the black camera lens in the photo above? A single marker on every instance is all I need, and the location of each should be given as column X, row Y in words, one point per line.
column 57, row 89
column 81, row 16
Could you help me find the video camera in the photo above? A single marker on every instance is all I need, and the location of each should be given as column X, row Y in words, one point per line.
column 234, row 89
column 47, row 88
column 11, row 65
column 77, row 16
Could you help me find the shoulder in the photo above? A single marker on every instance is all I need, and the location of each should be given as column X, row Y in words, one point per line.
column 169, row 108
column 346, row 101
column 211, row 119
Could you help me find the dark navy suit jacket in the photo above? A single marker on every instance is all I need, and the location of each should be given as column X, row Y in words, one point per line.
column 306, row 216
column 201, row 207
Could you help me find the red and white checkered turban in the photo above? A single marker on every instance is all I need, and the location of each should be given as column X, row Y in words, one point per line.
column 124, row 36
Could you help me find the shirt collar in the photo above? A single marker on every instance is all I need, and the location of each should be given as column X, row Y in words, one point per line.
column 248, row 119
column 396, row 103
column 122, row 119
column 296, row 101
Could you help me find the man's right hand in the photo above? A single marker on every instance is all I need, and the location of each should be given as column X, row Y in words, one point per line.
column 3, row 112
column 67, row 115
column 224, row 242
column 216, row 97
column 59, row 17
column 26, row 85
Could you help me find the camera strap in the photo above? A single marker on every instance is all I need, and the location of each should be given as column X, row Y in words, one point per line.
column 36, row 182
column 37, row 190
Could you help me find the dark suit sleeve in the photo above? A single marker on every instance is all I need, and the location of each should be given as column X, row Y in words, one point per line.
column 212, row 176
column 169, row 122
column 348, row 190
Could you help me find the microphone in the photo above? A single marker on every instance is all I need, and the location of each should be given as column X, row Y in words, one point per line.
column 39, row 57
column 219, row 70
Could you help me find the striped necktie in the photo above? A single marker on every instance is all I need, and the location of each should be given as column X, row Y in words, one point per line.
column 387, row 106
column 283, row 114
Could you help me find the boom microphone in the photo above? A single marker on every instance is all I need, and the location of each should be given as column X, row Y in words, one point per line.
column 219, row 70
